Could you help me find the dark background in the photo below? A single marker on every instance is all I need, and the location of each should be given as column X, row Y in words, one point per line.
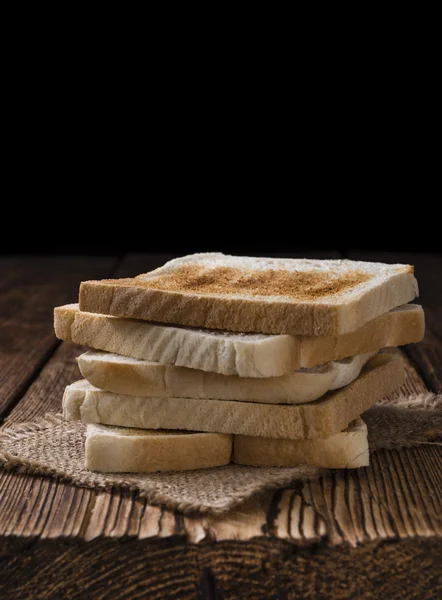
column 282, row 229
column 105, row 156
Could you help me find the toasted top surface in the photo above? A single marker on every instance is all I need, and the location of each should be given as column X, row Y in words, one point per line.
column 295, row 279
column 256, row 295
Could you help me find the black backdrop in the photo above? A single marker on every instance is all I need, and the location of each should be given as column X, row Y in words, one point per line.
column 268, row 227
column 104, row 156
column 73, row 196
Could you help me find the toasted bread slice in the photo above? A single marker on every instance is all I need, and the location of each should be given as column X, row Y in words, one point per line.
column 247, row 355
column 329, row 415
column 124, row 450
column 123, row 375
column 347, row 449
column 264, row 295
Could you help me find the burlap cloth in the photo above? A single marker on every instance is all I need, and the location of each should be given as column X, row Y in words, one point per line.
column 52, row 446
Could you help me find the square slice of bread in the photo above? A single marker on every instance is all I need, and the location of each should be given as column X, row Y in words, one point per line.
column 123, row 375
column 347, row 449
column 246, row 355
column 264, row 295
column 124, row 450
column 329, row 415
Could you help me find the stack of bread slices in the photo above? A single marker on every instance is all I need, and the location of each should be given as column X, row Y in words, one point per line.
column 213, row 358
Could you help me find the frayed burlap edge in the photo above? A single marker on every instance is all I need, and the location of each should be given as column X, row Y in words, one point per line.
column 424, row 401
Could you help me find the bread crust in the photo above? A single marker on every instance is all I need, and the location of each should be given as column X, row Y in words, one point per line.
column 347, row 449
column 121, row 450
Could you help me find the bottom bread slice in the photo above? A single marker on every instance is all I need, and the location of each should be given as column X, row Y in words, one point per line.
column 345, row 450
column 329, row 415
column 124, row 450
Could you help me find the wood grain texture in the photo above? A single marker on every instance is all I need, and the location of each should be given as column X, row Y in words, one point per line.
column 46, row 392
column 30, row 288
column 259, row 569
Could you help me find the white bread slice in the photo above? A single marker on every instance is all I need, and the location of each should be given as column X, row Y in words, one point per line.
column 266, row 295
column 123, row 375
column 323, row 418
column 347, row 449
column 123, row 450
column 246, row 355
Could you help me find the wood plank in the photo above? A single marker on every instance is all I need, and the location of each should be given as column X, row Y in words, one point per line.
column 427, row 355
column 30, row 289
column 46, row 392
column 260, row 568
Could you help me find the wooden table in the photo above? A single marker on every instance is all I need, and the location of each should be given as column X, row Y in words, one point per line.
column 371, row 533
